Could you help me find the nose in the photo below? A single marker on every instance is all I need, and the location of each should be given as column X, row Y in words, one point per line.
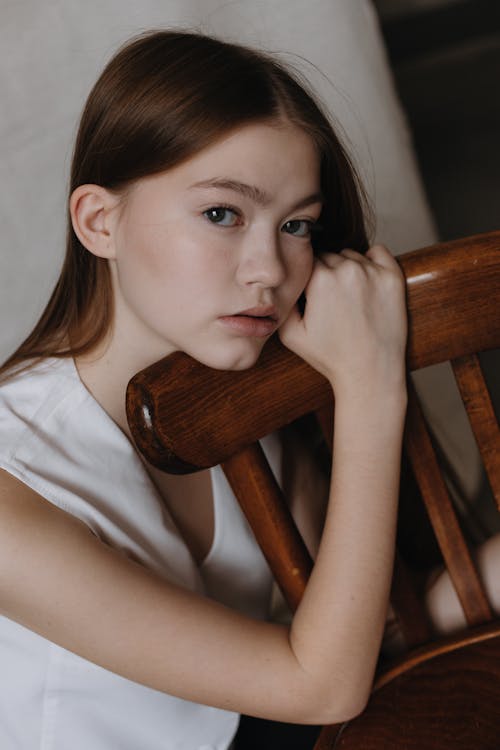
column 261, row 261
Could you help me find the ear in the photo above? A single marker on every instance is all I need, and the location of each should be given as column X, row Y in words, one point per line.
column 93, row 218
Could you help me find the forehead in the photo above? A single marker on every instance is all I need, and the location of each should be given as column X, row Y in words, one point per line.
column 259, row 147
column 272, row 157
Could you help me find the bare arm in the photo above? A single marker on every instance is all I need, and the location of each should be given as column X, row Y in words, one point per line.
column 59, row 580
column 366, row 368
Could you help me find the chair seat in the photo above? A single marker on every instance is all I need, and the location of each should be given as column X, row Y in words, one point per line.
column 448, row 702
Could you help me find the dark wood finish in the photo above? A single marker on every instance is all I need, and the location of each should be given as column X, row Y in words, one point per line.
column 263, row 503
column 163, row 399
column 412, row 617
column 444, row 645
column 446, row 696
column 442, row 515
column 453, row 299
column 482, row 416
column 186, row 416
column 324, row 417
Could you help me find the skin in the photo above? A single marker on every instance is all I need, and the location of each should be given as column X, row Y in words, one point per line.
column 175, row 274
column 173, row 300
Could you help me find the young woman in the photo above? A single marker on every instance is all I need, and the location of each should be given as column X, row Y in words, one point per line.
column 208, row 193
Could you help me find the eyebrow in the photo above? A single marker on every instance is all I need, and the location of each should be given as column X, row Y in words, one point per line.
column 254, row 193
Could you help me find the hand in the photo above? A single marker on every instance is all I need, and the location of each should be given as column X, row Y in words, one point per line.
column 354, row 328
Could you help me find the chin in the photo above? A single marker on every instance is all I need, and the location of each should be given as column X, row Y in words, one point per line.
column 229, row 358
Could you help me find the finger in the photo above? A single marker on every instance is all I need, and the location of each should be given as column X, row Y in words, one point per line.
column 380, row 255
column 354, row 255
column 331, row 260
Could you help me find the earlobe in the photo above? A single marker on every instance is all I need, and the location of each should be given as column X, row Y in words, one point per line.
column 91, row 209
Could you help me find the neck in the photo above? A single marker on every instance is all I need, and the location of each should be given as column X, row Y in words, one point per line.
column 127, row 348
column 106, row 372
column 108, row 385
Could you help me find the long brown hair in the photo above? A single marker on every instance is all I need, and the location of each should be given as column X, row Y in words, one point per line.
column 162, row 98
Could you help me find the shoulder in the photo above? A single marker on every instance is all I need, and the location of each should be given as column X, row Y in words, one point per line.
column 26, row 517
column 44, row 411
column 29, row 395
column 19, row 500
column 54, row 437
column 33, row 403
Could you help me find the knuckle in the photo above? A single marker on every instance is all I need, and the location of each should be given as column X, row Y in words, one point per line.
column 323, row 279
column 380, row 251
column 396, row 280
column 353, row 271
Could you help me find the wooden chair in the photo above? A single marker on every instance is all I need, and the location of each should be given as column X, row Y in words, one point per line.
column 445, row 691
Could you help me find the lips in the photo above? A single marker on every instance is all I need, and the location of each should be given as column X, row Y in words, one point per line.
column 258, row 321
column 262, row 311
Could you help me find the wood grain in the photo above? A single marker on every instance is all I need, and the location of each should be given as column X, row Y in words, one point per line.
column 457, row 556
column 482, row 417
column 412, row 617
column 267, row 511
column 447, row 701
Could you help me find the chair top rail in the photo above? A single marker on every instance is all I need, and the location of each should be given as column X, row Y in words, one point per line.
column 185, row 416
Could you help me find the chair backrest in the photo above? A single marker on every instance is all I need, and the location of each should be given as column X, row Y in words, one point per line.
column 186, row 417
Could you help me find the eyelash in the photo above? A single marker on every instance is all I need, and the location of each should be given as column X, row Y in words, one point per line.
column 221, row 207
column 313, row 226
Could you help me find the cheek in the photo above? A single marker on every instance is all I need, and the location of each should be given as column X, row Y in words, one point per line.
column 145, row 270
column 301, row 270
column 162, row 269
column 142, row 261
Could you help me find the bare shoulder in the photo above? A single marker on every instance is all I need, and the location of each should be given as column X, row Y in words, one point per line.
column 33, row 532
column 22, row 509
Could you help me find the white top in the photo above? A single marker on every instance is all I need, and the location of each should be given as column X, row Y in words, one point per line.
column 56, row 438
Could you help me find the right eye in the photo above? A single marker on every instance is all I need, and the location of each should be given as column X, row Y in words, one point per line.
column 222, row 215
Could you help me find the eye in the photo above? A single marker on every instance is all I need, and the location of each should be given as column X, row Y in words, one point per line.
column 298, row 227
column 222, row 215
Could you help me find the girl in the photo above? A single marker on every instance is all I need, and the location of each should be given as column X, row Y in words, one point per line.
column 208, row 192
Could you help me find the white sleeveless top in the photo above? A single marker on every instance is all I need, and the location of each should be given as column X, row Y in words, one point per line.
column 57, row 439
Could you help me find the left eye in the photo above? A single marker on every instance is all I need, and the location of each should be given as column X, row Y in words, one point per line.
column 298, row 227
column 221, row 215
